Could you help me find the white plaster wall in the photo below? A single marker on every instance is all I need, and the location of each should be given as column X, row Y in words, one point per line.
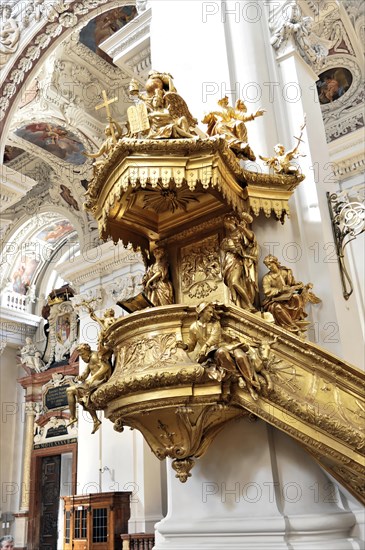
column 234, row 57
column 109, row 460
column 194, row 52
column 12, row 429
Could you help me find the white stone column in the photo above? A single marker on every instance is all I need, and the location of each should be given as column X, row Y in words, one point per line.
column 27, row 455
column 145, row 511
column 17, row 423
column 254, row 489
column 336, row 323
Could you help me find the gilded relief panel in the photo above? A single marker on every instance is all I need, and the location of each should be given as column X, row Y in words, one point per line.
column 200, row 272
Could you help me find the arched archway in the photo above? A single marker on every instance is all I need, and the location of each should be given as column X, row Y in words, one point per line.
column 45, row 31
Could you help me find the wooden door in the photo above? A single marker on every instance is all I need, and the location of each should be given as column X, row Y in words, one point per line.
column 49, row 502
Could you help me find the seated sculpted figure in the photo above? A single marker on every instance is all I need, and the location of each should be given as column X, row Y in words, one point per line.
column 162, row 123
column 222, row 355
column 97, row 372
column 30, row 356
column 285, row 298
column 167, row 113
column 230, row 122
column 108, row 145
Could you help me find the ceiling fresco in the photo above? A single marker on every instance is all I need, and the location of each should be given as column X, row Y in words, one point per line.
column 102, row 27
column 54, row 139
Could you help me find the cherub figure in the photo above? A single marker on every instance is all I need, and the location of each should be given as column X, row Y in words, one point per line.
column 285, row 298
column 31, row 356
column 9, row 34
column 105, row 349
column 97, row 372
column 281, row 163
column 230, row 122
column 108, row 145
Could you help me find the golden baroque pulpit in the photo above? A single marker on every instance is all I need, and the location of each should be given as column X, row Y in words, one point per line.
column 200, row 347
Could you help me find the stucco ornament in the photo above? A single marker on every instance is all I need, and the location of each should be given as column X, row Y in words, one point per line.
column 286, row 22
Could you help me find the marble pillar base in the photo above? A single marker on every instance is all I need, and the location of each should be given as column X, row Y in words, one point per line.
column 20, row 530
column 255, row 489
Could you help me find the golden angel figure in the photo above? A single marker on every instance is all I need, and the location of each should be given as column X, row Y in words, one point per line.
column 105, row 349
column 108, row 145
column 230, row 122
column 281, row 163
column 97, row 372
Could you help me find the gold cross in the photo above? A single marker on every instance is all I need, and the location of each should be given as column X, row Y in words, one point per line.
column 106, row 104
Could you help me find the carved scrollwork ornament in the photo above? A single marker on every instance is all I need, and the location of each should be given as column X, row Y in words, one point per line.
column 118, row 425
column 10, row 34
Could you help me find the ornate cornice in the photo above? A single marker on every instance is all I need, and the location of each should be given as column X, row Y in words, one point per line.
column 16, row 325
column 98, row 261
column 130, row 46
column 13, row 186
column 192, row 171
column 350, row 166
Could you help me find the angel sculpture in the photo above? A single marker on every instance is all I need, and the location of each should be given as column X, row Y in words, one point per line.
column 281, row 163
column 105, row 348
column 230, row 122
column 309, row 296
column 97, row 372
column 161, row 113
column 108, row 145
column 31, row 357
column 165, row 121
